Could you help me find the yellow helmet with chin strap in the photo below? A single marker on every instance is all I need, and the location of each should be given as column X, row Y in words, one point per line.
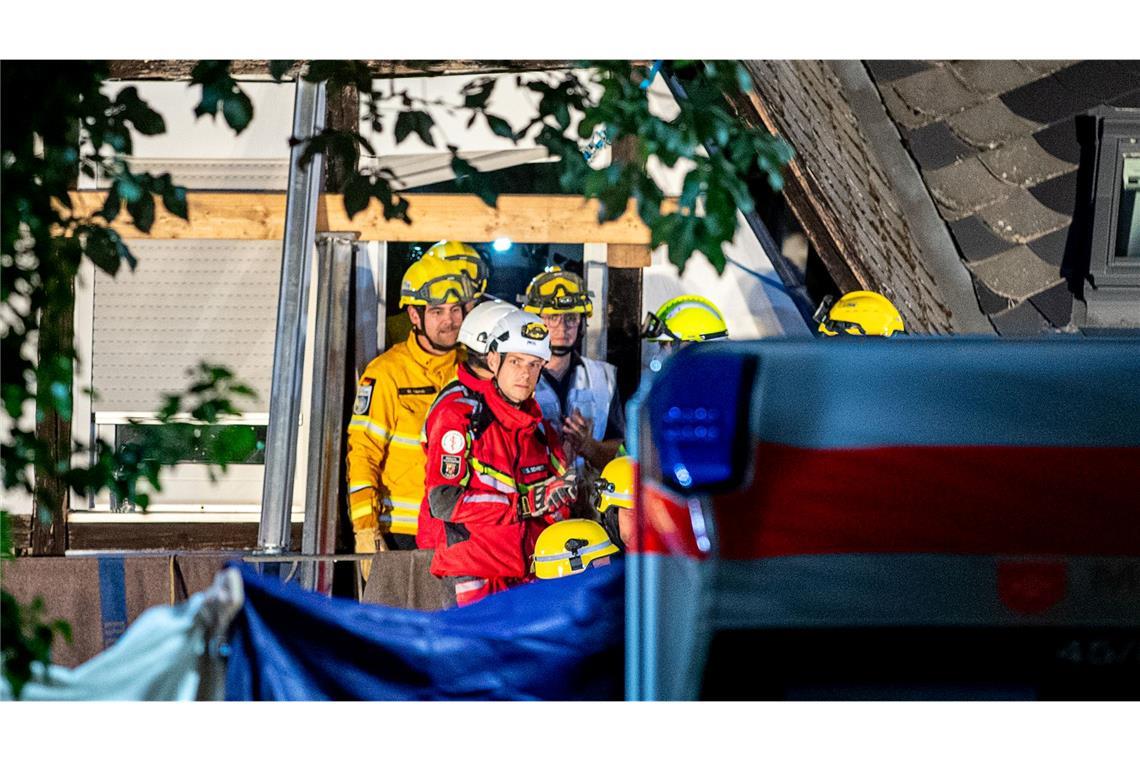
column 614, row 486
column 569, row 547
column 687, row 318
column 860, row 312
column 555, row 291
column 462, row 253
column 432, row 281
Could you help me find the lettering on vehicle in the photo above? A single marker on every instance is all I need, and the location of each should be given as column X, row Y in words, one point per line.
column 449, row 466
column 419, row 390
column 363, row 396
column 453, row 442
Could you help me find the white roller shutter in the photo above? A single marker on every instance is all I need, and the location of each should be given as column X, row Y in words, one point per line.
column 187, row 301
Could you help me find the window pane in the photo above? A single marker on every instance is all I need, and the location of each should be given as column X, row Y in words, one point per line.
column 232, row 444
column 1128, row 221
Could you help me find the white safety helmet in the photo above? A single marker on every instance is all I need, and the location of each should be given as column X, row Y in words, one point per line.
column 477, row 327
column 520, row 333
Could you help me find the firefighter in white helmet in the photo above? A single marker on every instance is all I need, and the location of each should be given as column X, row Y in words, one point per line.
column 473, row 381
column 496, row 474
column 577, row 394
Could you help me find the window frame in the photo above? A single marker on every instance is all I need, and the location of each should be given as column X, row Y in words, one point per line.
column 1118, row 136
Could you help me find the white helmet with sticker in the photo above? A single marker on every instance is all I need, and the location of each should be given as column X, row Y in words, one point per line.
column 521, row 333
column 475, row 332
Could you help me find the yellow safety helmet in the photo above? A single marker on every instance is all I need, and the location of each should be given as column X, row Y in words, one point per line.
column 688, row 317
column 860, row 312
column 432, row 281
column 473, row 262
column 569, row 547
column 614, row 487
column 554, row 291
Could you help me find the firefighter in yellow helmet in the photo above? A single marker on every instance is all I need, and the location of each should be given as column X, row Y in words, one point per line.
column 569, row 547
column 613, row 491
column 860, row 312
column 398, row 326
column 578, row 395
column 385, row 461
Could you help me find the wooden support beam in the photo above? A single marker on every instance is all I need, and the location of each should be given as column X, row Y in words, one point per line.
column 802, row 193
column 52, row 496
column 261, row 216
column 174, row 70
column 628, row 256
column 623, row 304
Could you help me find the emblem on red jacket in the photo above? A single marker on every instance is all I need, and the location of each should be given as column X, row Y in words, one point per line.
column 453, row 442
column 449, row 466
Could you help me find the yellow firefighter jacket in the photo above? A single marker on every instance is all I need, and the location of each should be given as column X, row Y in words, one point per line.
column 385, row 460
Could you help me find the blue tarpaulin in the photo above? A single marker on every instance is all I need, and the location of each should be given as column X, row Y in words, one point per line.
column 558, row 639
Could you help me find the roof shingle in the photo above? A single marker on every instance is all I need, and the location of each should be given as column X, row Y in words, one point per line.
column 992, row 77
column 1024, row 163
column 936, row 92
column 1020, row 218
column 989, row 124
column 1016, row 274
column 964, row 187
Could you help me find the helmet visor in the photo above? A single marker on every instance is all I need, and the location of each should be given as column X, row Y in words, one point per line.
column 445, row 289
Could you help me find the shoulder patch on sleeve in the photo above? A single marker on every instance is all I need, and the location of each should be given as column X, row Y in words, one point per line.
column 364, row 396
column 449, row 466
column 453, row 442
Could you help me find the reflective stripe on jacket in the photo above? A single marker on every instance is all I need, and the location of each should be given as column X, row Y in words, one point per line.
column 385, row 459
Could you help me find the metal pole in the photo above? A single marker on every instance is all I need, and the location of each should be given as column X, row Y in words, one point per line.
column 326, row 409
column 292, row 306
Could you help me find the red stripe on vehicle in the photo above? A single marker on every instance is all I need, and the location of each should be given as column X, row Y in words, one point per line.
column 939, row 499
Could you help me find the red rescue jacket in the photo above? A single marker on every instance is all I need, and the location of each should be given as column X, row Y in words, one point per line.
column 482, row 454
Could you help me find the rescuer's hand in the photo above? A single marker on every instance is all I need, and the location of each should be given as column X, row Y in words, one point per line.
column 552, row 497
column 576, row 433
column 366, row 544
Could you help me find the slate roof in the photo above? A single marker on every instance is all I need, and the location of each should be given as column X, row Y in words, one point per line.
column 996, row 144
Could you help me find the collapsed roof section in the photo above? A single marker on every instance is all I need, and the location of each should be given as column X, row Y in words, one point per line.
column 991, row 147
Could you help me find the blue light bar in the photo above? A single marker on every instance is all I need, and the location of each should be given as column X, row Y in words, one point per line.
column 699, row 414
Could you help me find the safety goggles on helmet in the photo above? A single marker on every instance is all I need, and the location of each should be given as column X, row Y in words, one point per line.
column 448, row 288
column 557, row 291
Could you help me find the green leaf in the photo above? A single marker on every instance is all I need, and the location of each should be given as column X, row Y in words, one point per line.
column 145, row 119
column 278, row 69
column 102, row 251
column 174, row 199
column 477, row 93
column 238, row 110
column 357, row 194
column 142, row 213
column 469, row 180
column 500, row 127
column 414, row 121
column 112, row 204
